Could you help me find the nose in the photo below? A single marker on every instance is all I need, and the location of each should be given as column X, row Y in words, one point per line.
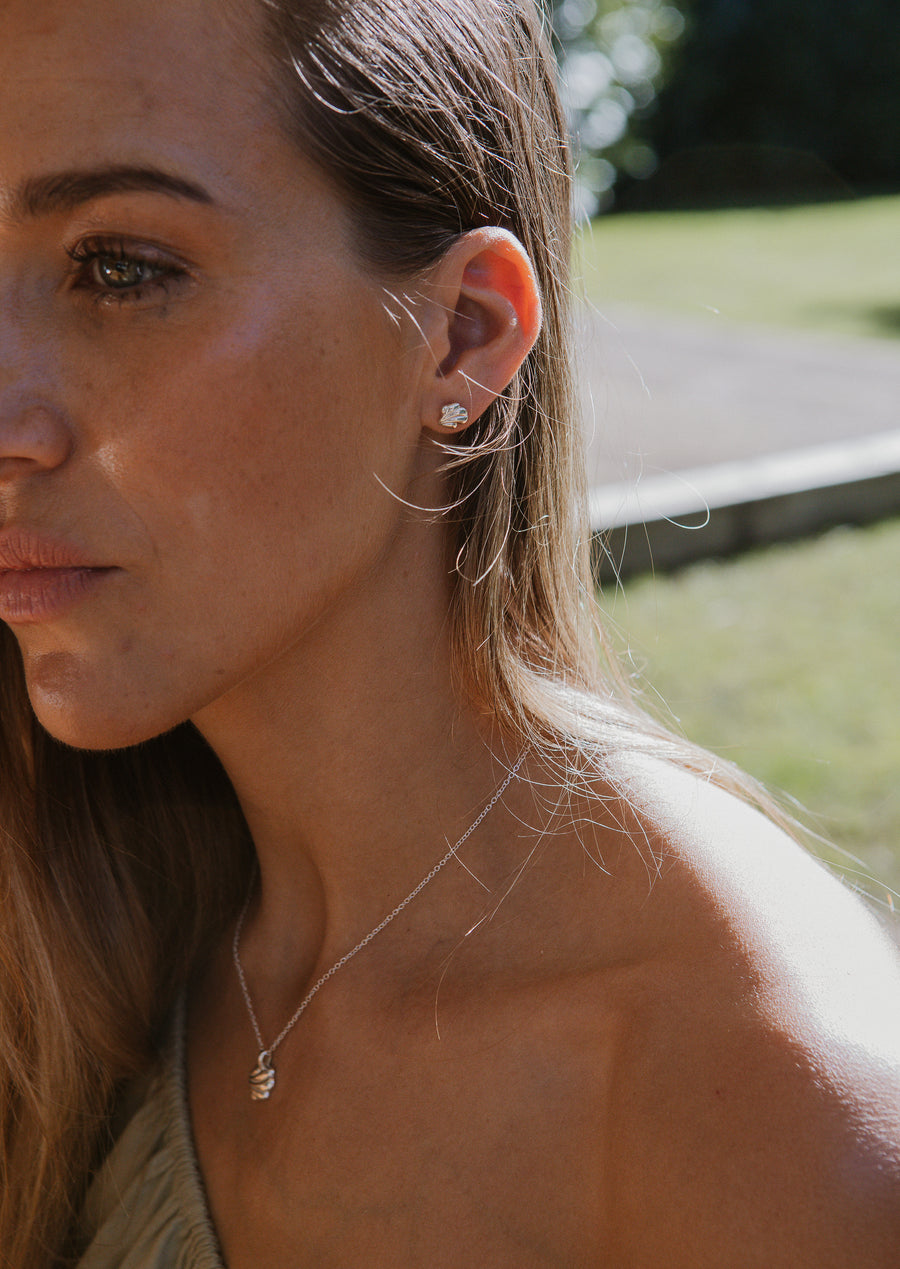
column 34, row 435
column 33, row 432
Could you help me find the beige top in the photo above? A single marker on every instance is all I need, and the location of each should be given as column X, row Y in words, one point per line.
column 146, row 1208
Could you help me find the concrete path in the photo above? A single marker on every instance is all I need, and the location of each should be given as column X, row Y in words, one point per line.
column 660, row 394
column 705, row 439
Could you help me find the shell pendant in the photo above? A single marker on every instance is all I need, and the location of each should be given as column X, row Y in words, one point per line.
column 262, row 1078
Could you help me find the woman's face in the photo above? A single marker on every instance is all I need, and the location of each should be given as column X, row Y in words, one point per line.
column 198, row 381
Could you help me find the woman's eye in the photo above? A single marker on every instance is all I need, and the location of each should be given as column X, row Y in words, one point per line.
column 123, row 273
column 112, row 271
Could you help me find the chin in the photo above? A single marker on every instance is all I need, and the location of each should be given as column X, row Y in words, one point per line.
column 86, row 716
column 90, row 729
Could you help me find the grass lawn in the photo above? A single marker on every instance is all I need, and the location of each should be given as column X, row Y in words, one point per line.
column 787, row 661
column 831, row 267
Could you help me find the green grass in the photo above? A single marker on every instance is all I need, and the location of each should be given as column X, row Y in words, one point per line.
column 833, row 267
column 786, row 661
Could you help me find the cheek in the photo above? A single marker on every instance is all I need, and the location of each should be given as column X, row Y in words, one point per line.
column 251, row 454
column 231, row 421
column 233, row 481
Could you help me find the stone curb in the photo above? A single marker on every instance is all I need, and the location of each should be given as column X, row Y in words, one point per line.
column 666, row 522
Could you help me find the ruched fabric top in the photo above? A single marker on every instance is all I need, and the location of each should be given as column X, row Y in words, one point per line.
column 146, row 1208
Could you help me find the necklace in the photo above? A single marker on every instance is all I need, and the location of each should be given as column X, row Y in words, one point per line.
column 262, row 1077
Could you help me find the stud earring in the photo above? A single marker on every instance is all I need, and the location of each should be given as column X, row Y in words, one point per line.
column 454, row 415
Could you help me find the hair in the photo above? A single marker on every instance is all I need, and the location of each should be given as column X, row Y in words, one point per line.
column 433, row 117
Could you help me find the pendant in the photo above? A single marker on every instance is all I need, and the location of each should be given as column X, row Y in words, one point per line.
column 262, row 1078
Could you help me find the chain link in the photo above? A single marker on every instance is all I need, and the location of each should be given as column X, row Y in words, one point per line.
column 298, row 1012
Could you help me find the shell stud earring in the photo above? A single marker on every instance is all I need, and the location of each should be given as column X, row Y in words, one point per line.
column 454, row 415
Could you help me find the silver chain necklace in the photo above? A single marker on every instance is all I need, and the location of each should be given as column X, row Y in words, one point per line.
column 262, row 1077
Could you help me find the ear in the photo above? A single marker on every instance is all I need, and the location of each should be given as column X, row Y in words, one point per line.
column 484, row 316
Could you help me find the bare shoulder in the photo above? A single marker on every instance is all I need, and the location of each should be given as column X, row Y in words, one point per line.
column 757, row 1115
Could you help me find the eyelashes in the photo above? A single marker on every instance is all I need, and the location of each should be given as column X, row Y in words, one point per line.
column 114, row 271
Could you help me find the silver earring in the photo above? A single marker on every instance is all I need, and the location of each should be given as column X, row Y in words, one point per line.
column 454, row 415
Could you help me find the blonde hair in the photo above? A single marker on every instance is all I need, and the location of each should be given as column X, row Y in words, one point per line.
column 433, row 117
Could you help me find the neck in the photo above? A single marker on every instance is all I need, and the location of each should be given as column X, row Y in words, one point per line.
column 357, row 765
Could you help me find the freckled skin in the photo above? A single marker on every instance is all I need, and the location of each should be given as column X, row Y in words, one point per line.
column 219, row 432
column 668, row 1060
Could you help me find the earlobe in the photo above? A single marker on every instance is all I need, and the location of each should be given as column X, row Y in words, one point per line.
column 488, row 314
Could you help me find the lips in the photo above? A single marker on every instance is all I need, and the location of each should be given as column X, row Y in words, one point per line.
column 22, row 550
column 42, row 577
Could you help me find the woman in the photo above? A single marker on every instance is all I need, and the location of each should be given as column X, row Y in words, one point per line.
column 310, row 774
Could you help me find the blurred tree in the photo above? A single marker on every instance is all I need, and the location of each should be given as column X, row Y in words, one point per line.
column 779, row 98
column 738, row 100
column 613, row 55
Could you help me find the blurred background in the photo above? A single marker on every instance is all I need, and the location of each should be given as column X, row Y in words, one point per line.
column 697, row 103
column 738, row 196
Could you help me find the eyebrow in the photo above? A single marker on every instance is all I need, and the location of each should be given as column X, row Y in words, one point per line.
column 64, row 191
